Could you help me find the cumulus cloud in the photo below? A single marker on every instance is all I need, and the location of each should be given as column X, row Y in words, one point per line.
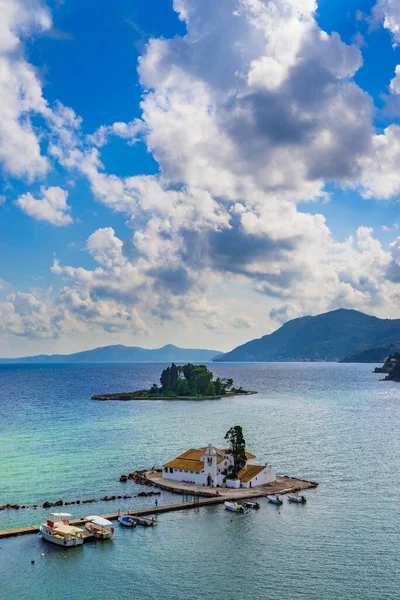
column 51, row 206
column 388, row 12
column 393, row 271
column 252, row 111
column 130, row 132
column 20, row 90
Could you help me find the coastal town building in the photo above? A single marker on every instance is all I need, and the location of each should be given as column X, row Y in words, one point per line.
column 211, row 466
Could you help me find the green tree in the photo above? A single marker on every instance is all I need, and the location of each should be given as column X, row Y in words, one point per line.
column 226, row 384
column 191, row 380
column 237, row 447
column 210, row 391
column 200, row 378
column 165, row 379
column 154, row 389
column 218, row 387
column 173, row 377
column 187, row 371
column 182, row 387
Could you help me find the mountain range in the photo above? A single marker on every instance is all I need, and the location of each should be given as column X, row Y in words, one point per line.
column 329, row 336
column 119, row 353
column 344, row 335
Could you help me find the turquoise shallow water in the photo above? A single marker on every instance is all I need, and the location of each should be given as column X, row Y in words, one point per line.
column 334, row 423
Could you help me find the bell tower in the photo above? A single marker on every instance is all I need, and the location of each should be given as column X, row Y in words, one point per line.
column 210, row 465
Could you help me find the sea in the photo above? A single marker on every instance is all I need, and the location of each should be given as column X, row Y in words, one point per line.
column 337, row 424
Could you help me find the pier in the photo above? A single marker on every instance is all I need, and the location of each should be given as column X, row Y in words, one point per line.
column 283, row 485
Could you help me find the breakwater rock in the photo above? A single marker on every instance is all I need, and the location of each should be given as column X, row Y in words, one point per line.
column 87, row 501
column 138, row 477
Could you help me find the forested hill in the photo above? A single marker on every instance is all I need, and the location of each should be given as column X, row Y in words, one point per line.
column 329, row 336
column 119, row 353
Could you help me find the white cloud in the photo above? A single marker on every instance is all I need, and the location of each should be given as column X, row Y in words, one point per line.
column 388, row 12
column 395, row 82
column 248, row 114
column 381, row 175
column 51, row 207
column 130, row 132
column 20, row 91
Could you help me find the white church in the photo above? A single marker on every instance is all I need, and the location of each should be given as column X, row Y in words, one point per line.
column 209, row 466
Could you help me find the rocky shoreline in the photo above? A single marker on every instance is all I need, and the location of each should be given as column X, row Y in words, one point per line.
column 391, row 366
column 127, row 396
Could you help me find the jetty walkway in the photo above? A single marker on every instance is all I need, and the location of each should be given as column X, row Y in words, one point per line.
column 283, row 485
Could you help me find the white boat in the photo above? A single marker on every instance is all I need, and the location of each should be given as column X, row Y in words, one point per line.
column 297, row 498
column 62, row 535
column 127, row 521
column 249, row 504
column 98, row 526
column 58, row 531
column 234, row 506
column 274, row 499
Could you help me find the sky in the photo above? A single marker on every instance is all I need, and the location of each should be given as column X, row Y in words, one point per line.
column 195, row 172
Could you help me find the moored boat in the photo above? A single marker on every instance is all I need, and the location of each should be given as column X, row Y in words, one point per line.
column 127, row 521
column 98, row 526
column 62, row 535
column 234, row 506
column 57, row 530
column 274, row 499
column 249, row 504
column 297, row 498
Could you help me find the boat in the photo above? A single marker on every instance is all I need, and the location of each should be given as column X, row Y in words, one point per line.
column 234, row 506
column 127, row 521
column 249, row 504
column 274, row 499
column 58, row 530
column 297, row 498
column 61, row 532
column 98, row 526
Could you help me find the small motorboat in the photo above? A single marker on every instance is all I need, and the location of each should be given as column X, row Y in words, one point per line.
column 297, row 498
column 234, row 506
column 98, row 526
column 274, row 499
column 127, row 521
column 249, row 504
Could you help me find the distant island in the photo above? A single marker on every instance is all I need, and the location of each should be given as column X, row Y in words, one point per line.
column 331, row 336
column 187, row 382
column 391, row 366
column 121, row 354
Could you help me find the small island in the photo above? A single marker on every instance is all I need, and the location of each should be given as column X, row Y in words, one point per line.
column 187, row 382
column 391, row 366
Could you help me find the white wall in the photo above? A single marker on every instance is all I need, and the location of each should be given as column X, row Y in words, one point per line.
column 267, row 475
column 233, row 483
column 195, row 477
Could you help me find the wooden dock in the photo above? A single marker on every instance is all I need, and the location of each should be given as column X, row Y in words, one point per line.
column 142, row 514
column 139, row 515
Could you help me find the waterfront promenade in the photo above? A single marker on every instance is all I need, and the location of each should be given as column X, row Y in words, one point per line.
column 282, row 485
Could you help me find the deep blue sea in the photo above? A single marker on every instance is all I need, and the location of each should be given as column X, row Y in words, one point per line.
column 337, row 424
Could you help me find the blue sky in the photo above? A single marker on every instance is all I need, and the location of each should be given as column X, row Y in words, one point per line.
column 252, row 170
